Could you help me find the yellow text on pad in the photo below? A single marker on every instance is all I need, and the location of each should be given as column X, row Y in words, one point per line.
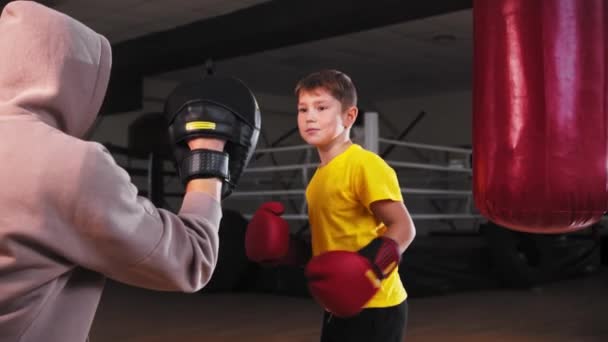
column 195, row 125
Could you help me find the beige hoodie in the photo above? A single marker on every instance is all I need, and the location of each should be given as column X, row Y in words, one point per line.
column 69, row 216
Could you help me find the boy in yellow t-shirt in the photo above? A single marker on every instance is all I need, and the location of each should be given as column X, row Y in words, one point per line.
column 359, row 224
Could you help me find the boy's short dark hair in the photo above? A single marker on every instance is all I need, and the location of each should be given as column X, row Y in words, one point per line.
column 337, row 83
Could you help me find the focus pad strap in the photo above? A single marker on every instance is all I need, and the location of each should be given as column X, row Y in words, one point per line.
column 203, row 163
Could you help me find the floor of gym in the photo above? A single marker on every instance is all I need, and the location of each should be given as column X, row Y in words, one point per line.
column 571, row 310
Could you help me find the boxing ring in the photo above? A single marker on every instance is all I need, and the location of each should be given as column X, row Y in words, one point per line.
column 455, row 172
column 274, row 173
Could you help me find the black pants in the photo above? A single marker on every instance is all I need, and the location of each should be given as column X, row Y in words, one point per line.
column 371, row 325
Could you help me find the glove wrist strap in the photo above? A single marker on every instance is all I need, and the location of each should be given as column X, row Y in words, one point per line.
column 203, row 163
column 383, row 253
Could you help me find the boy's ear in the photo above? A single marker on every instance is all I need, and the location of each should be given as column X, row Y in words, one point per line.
column 351, row 116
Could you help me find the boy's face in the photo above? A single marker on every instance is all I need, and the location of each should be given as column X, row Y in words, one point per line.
column 321, row 117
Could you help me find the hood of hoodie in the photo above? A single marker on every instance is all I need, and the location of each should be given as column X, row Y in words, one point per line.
column 51, row 67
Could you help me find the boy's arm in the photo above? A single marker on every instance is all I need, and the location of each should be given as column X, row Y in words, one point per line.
column 398, row 221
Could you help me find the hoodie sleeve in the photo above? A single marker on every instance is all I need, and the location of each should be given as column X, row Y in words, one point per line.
column 127, row 238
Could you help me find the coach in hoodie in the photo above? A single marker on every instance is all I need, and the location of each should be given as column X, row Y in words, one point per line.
column 69, row 216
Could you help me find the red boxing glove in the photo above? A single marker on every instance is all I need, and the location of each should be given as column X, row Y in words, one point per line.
column 267, row 237
column 343, row 282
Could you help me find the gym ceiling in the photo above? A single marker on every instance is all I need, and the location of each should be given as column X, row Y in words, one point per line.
column 391, row 48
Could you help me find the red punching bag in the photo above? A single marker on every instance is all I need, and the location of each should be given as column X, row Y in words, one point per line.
column 540, row 113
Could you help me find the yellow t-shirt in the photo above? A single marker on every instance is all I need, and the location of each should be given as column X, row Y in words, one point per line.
column 339, row 197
